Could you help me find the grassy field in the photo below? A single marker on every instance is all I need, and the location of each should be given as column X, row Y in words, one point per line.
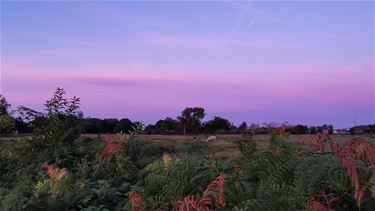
column 224, row 146
column 225, row 142
column 166, row 172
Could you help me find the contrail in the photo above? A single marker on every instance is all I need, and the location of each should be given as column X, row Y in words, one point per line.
column 270, row 16
column 237, row 26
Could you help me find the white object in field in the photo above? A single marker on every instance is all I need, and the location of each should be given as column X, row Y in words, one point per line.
column 211, row 138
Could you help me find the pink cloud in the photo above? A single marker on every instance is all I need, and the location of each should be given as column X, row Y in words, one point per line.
column 139, row 87
column 208, row 43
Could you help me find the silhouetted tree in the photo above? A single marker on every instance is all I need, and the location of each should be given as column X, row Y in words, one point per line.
column 242, row 128
column 7, row 122
column 109, row 125
column 300, row 129
column 22, row 126
column 4, row 105
column 124, row 125
column 190, row 119
column 361, row 129
column 167, row 126
column 313, row 130
column 218, row 125
column 149, row 129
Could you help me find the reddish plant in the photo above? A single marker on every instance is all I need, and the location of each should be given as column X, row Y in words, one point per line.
column 215, row 188
column 316, row 205
column 355, row 149
column 281, row 129
column 188, row 203
column 51, row 171
column 323, row 200
column 318, row 141
column 136, row 200
column 110, row 148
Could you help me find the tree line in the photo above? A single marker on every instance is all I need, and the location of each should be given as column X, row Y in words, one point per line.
column 190, row 121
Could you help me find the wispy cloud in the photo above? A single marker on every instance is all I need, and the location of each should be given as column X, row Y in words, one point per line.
column 208, row 43
column 250, row 7
column 122, row 16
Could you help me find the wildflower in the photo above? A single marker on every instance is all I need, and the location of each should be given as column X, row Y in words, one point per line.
column 110, row 149
column 54, row 185
column 166, row 161
column 54, row 172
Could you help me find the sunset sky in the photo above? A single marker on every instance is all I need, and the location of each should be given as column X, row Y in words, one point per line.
column 302, row 62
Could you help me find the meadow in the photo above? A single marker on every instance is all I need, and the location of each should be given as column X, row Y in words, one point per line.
column 164, row 172
column 59, row 168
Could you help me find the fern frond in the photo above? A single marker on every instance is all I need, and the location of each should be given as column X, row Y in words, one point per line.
column 355, row 149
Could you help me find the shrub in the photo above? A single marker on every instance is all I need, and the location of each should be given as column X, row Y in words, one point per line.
column 7, row 124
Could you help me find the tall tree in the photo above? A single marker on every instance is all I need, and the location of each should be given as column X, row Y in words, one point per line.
column 191, row 119
column 217, row 124
column 167, row 126
column 7, row 123
column 300, row 129
column 242, row 127
column 124, row 125
column 4, row 105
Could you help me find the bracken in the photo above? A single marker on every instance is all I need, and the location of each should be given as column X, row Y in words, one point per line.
column 318, row 141
column 215, row 188
column 357, row 148
column 315, row 205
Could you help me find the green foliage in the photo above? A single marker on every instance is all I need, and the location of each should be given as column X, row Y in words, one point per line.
column 216, row 125
column 190, row 119
column 96, row 208
column 163, row 186
column 246, row 144
column 195, row 147
column 60, row 123
column 7, row 124
column 158, row 175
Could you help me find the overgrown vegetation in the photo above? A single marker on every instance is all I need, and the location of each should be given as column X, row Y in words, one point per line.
column 57, row 169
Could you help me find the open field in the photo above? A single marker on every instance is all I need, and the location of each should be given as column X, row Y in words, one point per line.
column 162, row 172
column 223, row 146
column 226, row 140
column 226, row 137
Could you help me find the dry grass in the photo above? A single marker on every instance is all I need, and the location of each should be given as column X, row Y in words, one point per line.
column 225, row 140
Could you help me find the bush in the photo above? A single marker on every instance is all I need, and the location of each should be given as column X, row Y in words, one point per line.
column 7, row 124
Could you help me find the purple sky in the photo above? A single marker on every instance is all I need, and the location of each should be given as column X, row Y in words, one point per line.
column 302, row 62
